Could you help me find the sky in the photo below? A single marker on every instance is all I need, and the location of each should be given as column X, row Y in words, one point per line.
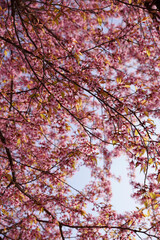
column 121, row 199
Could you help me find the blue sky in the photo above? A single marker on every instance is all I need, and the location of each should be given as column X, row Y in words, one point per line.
column 122, row 190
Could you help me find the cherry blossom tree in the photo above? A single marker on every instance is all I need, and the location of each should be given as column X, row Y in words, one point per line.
column 79, row 86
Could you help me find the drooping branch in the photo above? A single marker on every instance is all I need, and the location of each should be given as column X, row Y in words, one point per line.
column 121, row 228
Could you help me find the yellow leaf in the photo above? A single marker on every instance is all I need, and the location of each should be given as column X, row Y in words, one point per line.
column 62, row 94
column 51, row 186
column 83, row 16
column 153, row 195
column 146, row 203
column 142, row 152
column 41, row 129
column 150, row 121
column 18, row 141
column 77, row 57
column 136, row 133
column 49, row 121
column 146, row 113
column 31, row 222
column 144, row 19
column 99, row 19
column 120, row 61
column 118, row 80
column 57, row 17
column 104, row 94
column 128, row 130
column 59, row 106
column 130, row 222
column 41, row 210
column 20, row 198
column 76, row 87
column 118, row 43
column 148, row 213
column 143, row 168
column 156, row 206
column 8, row 176
column 107, row 62
column 56, row 10
column 42, row 116
column 71, row 154
column 127, row 86
column 143, row 102
column 79, row 104
column 158, row 177
column 94, row 160
column 114, row 142
column 73, row 165
column 68, row 127
column 5, row 212
column 5, row 52
column 148, row 52
column 130, row 1
column 77, row 107
column 126, row 109
column 83, row 212
column 150, row 161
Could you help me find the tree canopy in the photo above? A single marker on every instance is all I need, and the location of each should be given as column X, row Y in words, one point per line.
column 79, row 86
